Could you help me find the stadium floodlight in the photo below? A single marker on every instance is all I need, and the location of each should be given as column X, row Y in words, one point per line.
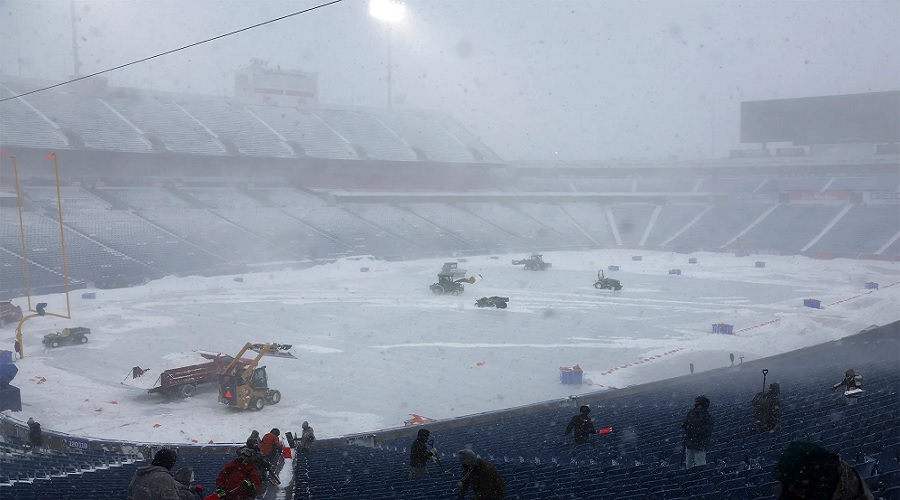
column 390, row 12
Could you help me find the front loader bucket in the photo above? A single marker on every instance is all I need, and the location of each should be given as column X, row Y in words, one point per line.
column 274, row 350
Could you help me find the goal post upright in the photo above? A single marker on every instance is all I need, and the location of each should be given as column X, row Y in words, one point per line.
column 62, row 239
column 62, row 235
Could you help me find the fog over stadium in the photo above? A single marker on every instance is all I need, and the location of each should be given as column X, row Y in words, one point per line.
column 536, row 80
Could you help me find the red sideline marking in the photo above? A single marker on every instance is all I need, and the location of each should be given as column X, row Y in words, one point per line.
column 645, row 360
column 861, row 294
column 776, row 320
column 829, row 305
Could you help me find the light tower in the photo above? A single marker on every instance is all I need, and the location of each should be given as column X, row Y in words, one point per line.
column 390, row 12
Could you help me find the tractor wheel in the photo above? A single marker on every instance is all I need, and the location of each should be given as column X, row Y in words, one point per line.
column 274, row 397
column 257, row 404
column 55, row 343
column 455, row 292
column 437, row 289
column 598, row 286
column 618, row 287
column 187, row 390
column 83, row 340
column 501, row 305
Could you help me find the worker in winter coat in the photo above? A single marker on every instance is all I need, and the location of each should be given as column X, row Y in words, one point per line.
column 698, row 428
column 419, row 455
column 239, row 479
column 271, row 447
column 853, row 383
column 184, row 477
column 307, row 438
column 767, row 408
column 154, row 482
column 806, row 470
column 35, row 435
column 263, row 467
column 481, row 476
column 582, row 425
column 254, row 436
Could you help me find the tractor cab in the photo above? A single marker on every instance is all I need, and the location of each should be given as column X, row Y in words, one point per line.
column 259, row 379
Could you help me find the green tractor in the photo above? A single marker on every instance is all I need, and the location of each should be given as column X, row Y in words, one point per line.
column 76, row 335
column 446, row 285
column 604, row 283
column 533, row 263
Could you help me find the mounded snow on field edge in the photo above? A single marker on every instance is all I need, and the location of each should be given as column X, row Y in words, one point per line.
column 374, row 347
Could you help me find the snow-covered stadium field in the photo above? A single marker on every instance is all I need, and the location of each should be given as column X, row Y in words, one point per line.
column 374, row 347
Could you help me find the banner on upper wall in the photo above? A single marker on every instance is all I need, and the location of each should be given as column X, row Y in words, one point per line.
column 767, row 196
column 841, row 195
column 881, row 197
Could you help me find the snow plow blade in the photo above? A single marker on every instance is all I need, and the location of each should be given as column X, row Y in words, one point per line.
column 274, row 350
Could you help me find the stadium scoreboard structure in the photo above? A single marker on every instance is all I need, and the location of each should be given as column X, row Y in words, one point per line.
column 258, row 84
column 872, row 117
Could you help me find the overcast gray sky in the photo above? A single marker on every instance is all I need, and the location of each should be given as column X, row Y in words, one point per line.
column 567, row 80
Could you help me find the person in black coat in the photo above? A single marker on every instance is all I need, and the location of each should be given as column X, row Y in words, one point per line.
column 767, row 409
column 806, row 470
column 35, row 435
column 481, row 476
column 419, row 455
column 698, row 427
column 582, row 425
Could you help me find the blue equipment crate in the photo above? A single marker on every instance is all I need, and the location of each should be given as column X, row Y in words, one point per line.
column 692, row 260
column 871, row 285
column 723, row 328
column 814, row 303
column 569, row 376
column 364, row 269
column 637, row 257
column 760, row 263
column 89, row 295
column 612, row 268
column 676, row 272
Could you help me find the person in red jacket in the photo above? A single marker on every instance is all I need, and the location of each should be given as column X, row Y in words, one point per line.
column 239, row 479
column 271, row 447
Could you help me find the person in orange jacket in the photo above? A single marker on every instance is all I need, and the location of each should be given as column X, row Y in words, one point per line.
column 239, row 479
column 271, row 447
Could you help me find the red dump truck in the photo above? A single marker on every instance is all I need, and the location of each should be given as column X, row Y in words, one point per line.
column 181, row 381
